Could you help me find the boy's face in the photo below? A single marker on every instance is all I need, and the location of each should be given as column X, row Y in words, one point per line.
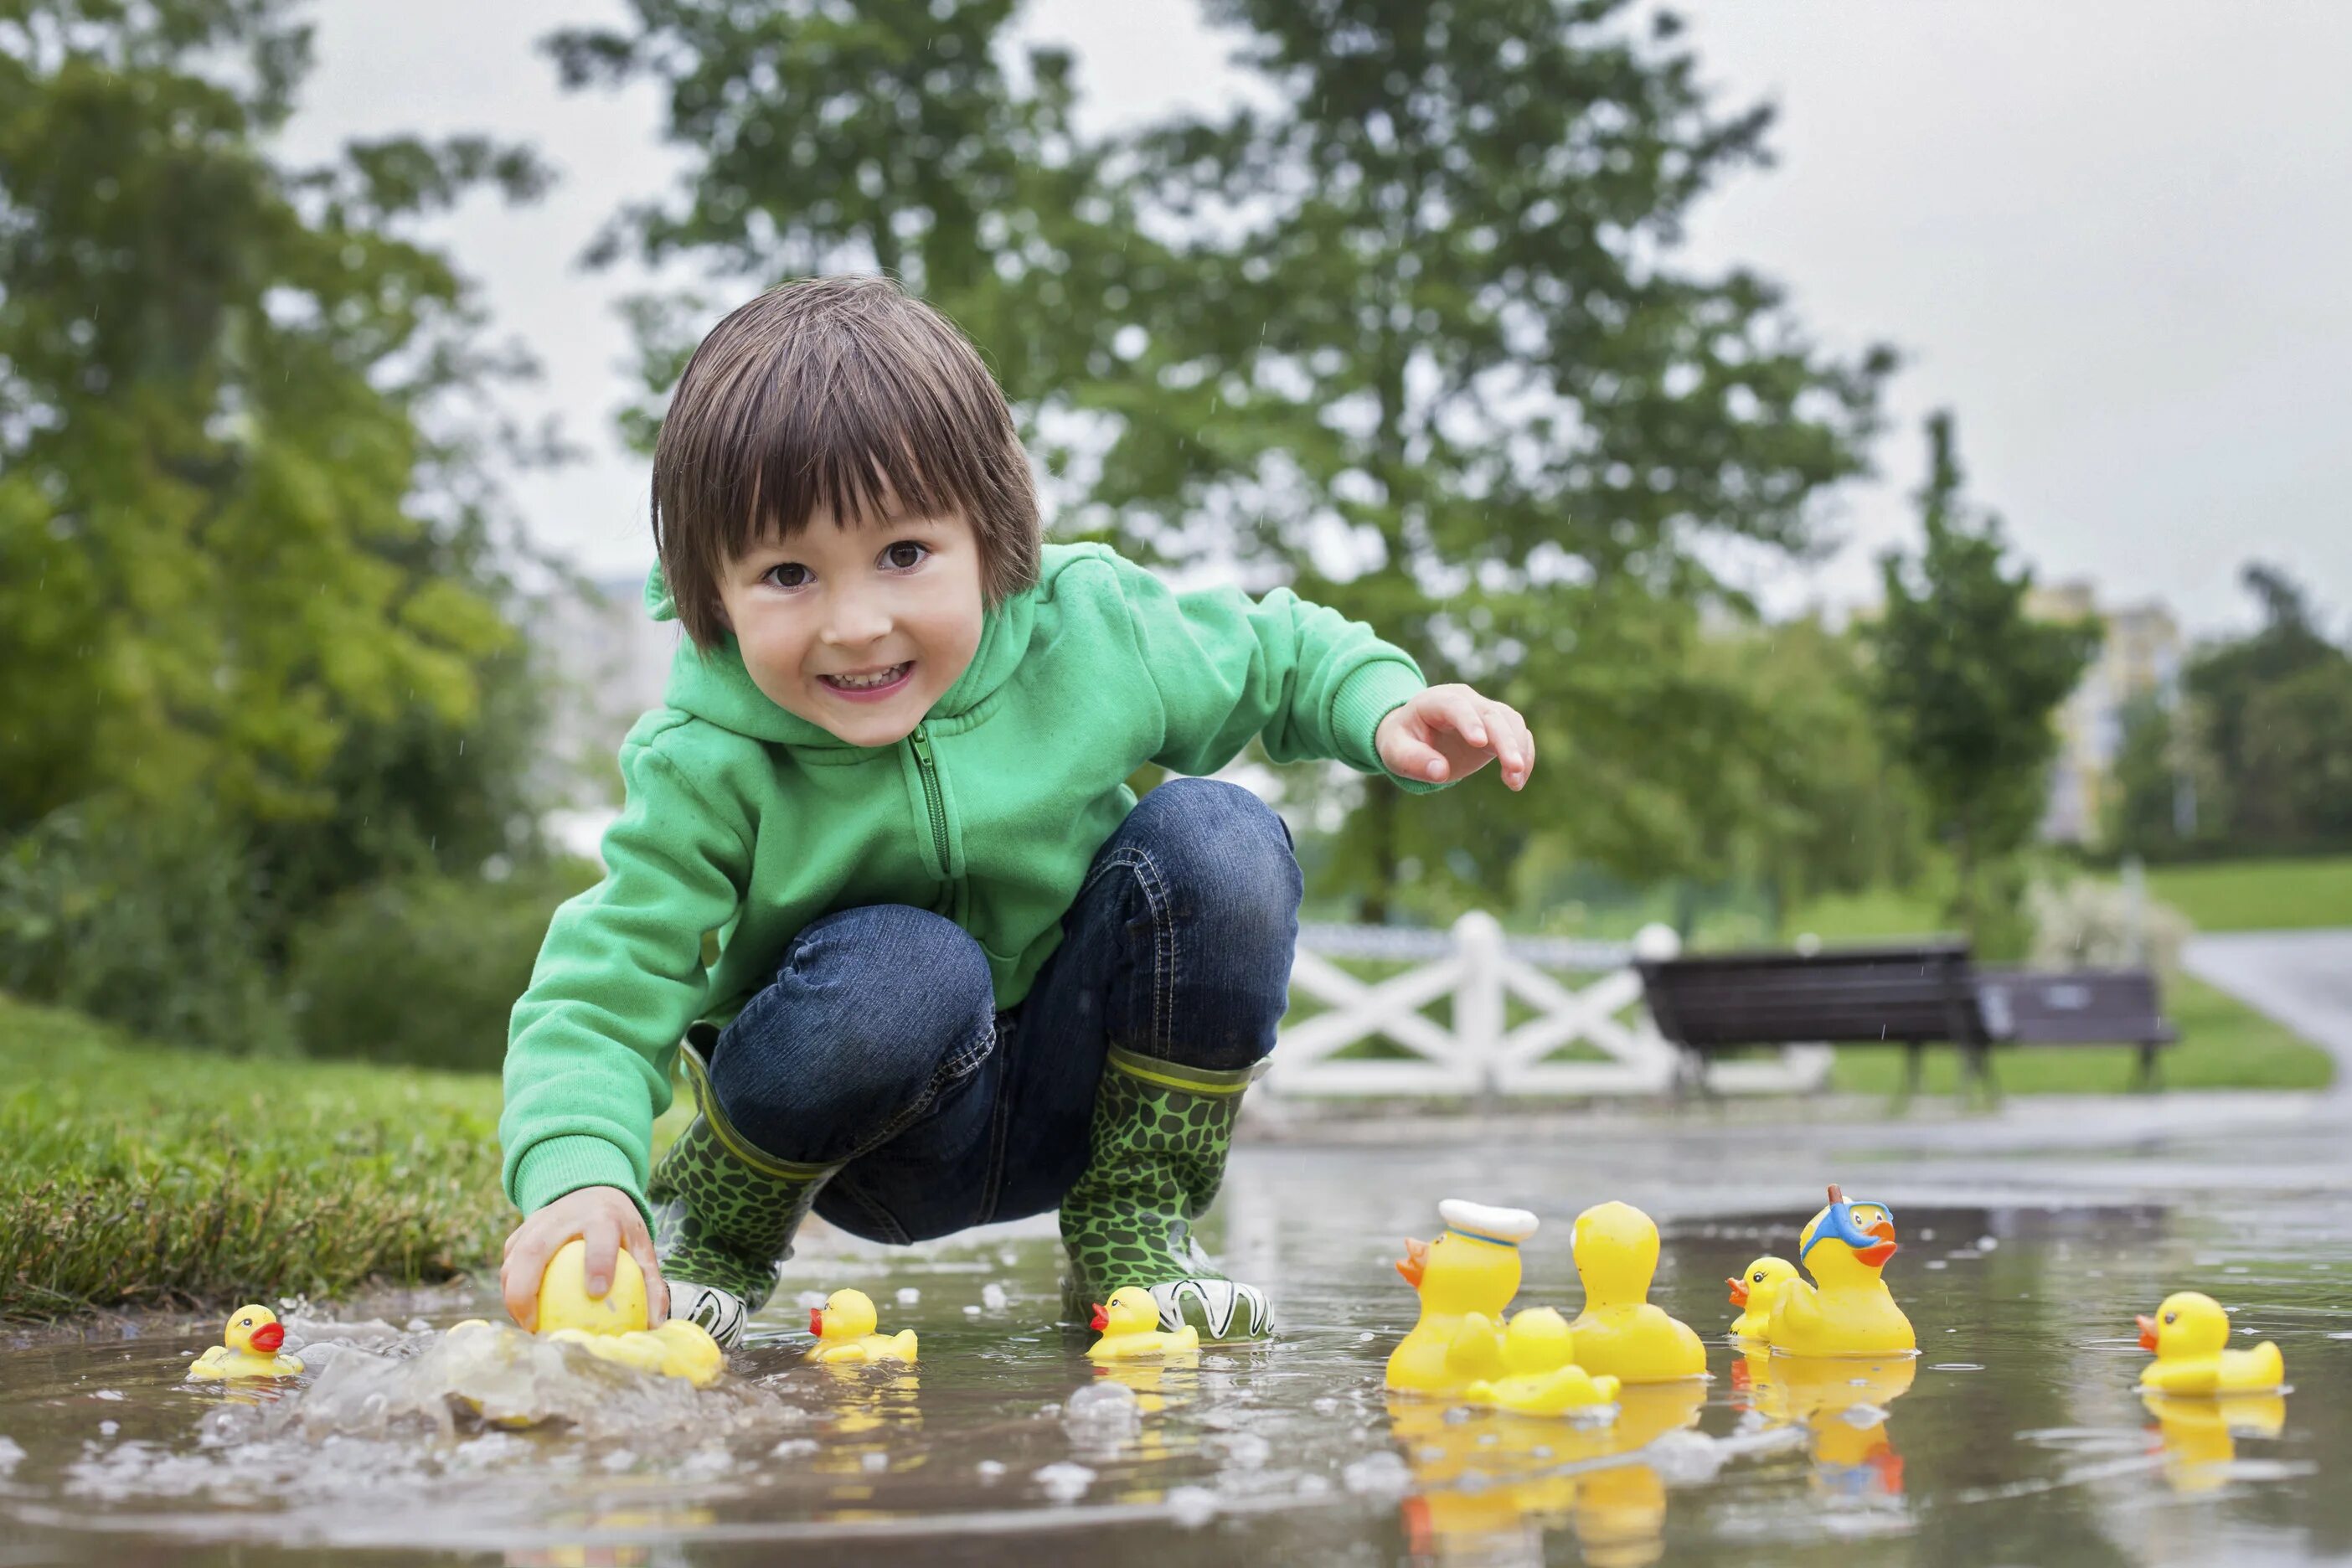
column 858, row 630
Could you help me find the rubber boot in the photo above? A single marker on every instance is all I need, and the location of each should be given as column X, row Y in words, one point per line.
column 724, row 1214
column 1156, row 1154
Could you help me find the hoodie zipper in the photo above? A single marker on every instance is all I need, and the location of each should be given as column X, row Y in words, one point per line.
column 932, row 800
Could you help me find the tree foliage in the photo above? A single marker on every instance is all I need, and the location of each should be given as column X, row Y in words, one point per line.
column 1411, row 341
column 1966, row 682
column 250, row 552
column 2258, row 751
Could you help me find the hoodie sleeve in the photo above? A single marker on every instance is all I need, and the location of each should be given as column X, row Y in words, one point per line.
column 619, row 979
column 1307, row 679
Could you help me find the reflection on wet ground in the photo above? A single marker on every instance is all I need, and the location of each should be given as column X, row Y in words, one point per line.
column 2016, row 1436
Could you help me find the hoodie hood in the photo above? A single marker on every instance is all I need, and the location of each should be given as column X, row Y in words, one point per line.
column 714, row 685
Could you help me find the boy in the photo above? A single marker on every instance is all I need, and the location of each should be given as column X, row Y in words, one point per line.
column 932, row 963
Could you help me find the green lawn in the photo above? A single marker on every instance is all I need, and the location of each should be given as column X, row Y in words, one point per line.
column 139, row 1176
column 2223, row 1045
column 2258, row 895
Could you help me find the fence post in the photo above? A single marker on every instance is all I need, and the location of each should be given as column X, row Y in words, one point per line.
column 1478, row 998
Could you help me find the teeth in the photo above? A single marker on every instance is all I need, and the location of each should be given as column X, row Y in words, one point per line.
column 868, row 682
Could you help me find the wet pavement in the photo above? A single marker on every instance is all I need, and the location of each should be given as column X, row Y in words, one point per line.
column 2030, row 1240
column 2301, row 978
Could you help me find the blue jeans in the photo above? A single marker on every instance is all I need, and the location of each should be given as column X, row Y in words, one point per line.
column 878, row 1042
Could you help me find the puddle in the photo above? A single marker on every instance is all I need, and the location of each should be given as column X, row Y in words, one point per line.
column 2014, row 1437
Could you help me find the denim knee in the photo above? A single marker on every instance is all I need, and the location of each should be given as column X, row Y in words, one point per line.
column 1223, row 856
column 1222, row 888
column 874, row 1015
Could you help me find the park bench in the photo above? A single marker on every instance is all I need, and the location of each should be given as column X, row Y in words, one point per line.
column 1914, row 995
column 2081, row 1007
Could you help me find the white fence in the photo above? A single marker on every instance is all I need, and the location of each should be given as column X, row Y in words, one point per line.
column 1481, row 968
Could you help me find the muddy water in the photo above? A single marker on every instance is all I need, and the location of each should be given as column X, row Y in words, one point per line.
column 2014, row 1438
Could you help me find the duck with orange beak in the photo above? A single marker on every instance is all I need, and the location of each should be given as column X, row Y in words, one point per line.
column 844, row 1330
column 1467, row 1279
column 1846, row 1308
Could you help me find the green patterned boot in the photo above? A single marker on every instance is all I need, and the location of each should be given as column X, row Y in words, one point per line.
column 724, row 1214
column 1156, row 1154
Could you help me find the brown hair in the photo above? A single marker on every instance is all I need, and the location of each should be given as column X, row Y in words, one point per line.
column 841, row 392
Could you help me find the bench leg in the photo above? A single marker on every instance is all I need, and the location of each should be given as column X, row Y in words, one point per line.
column 1914, row 1067
column 1980, row 1068
column 2147, row 1068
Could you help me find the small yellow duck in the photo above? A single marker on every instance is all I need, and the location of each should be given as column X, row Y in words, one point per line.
column 1540, row 1349
column 1847, row 1310
column 253, row 1336
column 1755, row 1291
column 1129, row 1326
column 844, row 1328
column 1465, row 1278
column 612, row 1327
column 1618, row 1333
column 2190, row 1335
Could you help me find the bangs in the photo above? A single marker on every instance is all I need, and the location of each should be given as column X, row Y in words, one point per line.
column 836, row 397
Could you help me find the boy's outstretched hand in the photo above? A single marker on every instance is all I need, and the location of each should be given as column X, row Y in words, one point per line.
column 607, row 1221
column 1449, row 732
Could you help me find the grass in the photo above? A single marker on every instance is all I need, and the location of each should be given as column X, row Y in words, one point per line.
column 136, row 1176
column 2223, row 1045
column 2259, row 895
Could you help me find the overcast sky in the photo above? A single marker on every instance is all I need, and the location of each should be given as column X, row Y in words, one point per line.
column 2114, row 236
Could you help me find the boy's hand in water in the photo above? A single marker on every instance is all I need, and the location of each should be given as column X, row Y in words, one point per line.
column 608, row 1220
column 1449, row 732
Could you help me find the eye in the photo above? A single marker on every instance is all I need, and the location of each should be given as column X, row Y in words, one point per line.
column 1757, row 1277
column 786, row 574
column 2171, row 1316
column 913, row 557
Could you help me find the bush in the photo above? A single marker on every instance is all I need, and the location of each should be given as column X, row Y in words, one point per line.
column 2086, row 924
column 425, row 971
column 150, row 921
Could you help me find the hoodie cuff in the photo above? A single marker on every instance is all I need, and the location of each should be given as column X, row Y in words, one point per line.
column 1366, row 698
column 569, row 1161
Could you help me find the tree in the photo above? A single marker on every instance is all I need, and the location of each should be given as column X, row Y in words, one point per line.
column 1424, row 356
column 1966, row 682
column 231, row 533
column 252, row 564
column 1410, row 343
column 886, row 137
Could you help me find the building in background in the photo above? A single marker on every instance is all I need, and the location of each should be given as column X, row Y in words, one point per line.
column 2140, row 655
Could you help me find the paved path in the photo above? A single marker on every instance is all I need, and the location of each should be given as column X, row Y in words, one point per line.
column 2301, row 978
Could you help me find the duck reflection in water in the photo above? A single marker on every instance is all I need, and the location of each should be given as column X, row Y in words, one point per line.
column 1487, row 1483
column 1841, row 1401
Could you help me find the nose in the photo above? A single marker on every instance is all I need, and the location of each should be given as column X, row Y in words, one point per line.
column 855, row 618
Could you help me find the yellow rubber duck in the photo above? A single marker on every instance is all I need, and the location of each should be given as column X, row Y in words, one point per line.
column 844, row 1328
column 612, row 1327
column 1539, row 1348
column 1618, row 1333
column 253, row 1336
column 1846, row 1309
column 1465, row 1278
column 1755, row 1290
column 2190, row 1335
column 1129, row 1326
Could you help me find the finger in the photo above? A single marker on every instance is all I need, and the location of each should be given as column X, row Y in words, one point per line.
column 518, row 1282
column 603, row 1239
column 1521, row 761
column 1460, row 710
column 1417, row 755
column 641, row 1248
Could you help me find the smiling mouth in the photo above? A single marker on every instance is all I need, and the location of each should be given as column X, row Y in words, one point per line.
column 877, row 681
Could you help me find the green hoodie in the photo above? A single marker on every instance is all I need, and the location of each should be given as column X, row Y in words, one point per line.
column 747, row 822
